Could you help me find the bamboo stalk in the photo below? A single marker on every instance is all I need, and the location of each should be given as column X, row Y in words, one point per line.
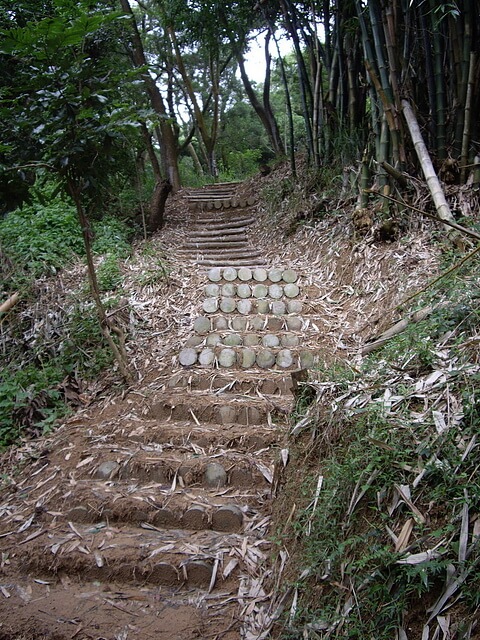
column 468, row 116
column 449, row 223
column 9, row 303
column 440, row 97
column 433, row 182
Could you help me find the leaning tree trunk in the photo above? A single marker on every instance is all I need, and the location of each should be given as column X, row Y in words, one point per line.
column 106, row 325
column 433, row 182
column 168, row 142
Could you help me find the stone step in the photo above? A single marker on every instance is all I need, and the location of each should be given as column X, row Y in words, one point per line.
column 260, row 276
column 112, row 501
column 241, row 357
column 169, row 558
column 239, row 382
column 261, row 323
column 198, row 235
column 207, row 408
column 207, row 204
column 232, row 263
column 264, row 340
column 240, row 221
column 230, row 243
column 187, row 469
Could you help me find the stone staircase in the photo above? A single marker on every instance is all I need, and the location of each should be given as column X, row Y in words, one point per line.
column 152, row 519
column 218, row 229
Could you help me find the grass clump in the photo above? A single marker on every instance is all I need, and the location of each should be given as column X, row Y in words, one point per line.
column 386, row 531
column 52, row 339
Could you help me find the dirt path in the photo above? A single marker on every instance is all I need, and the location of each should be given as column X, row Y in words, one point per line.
column 148, row 513
column 147, row 516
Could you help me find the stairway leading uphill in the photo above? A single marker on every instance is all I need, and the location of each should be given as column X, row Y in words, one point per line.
column 151, row 517
column 218, row 233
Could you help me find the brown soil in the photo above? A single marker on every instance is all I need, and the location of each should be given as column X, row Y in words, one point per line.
column 112, row 527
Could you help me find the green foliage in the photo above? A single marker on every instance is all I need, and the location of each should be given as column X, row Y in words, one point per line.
column 109, row 275
column 85, row 351
column 239, row 165
column 42, row 237
column 112, row 235
column 378, row 433
column 30, row 401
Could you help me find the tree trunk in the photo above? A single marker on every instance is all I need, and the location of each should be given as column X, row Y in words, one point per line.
column 264, row 112
column 207, row 137
column 157, row 205
column 106, row 326
column 168, row 143
column 433, row 183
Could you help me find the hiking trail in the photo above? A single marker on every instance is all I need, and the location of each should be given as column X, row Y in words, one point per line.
column 150, row 517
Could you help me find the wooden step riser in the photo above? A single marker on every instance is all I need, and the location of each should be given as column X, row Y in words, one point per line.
column 214, row 414
column 233, row 224
column 187, row 575
column 215, row 254
column 266, row 386
column 199, row 235
column 189, row 474
column 131, row 511
column 225, row 244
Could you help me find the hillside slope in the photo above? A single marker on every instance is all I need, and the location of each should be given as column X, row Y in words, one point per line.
column 148, row 513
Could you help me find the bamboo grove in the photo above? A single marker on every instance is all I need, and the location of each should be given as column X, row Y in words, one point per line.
column 337, row 96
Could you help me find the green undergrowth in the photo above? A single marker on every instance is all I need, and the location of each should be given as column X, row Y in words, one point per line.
column 385, row 536
column 51, row 340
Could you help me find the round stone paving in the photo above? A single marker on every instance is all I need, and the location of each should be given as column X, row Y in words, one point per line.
column 307, row 359
column 275, row 291
column 260, row 291
column 206, row 357
column 187, row 357
column 212, row 290
column 294, row 306
column 265, row 359
column 260, row 275
column 294, row 323
column 246, row 358
column 210, row 305
column 229, row 273
column 221, row 323
column 213, row 339
column 229, row 290
column 278, row 307
column 227, row 305
column 194, row 341
column 214, row 275
column 251, row 339
column 263, row 306
column 244, row 291
column 275, row 275
column 227, row 518
column 284, row 358
column 270, row 340
column 289, row 275
column 290, row 340
column 232, row 340
column 244, row 307
column 239, row 323
column 202, row 325
column 227, row 358
column 244, row 273
column 257, row 323
column 291, row 290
